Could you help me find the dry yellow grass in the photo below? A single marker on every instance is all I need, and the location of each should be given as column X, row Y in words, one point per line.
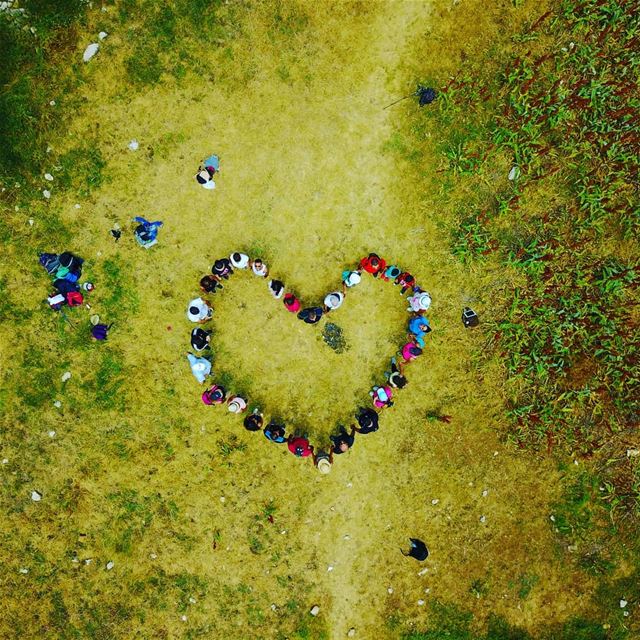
column 306, row 179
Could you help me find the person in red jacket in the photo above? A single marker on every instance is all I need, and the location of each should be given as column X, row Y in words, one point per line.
column 299, row 446
column 373, row 264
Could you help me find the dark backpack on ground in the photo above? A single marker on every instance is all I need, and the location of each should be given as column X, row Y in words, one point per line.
column 71, row 262
column 64, row 286
column 50, row 262
column 100, row 331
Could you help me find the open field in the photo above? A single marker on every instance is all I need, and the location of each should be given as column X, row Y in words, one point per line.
column 528, row 499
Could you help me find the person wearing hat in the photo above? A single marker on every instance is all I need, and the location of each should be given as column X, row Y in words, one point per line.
column 239, row 260
column 333, row 300
column 350, row 279
column 222, row 268
column 419, row 302
column 323, row 460
column 214, row 395
column 343, row 441
column 200, row 367
column 199, row 310
column 237, row 404
column 299, row 446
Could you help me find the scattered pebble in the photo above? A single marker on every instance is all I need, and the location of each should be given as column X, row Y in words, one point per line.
column 514, row 173
column 435, row 501
column 5, row 461
column 76, row 205
column 427, row 590
column 52, row 103
column 52, row 434
column 102, row 35
column 46, row 193
column 390, row 590
column 90, row 51
column 485, row 493
column 110, row 565
column 24, row 570
column 222, row 498
column 192, row 600
column 49, row 149
column 48, row 176
column 552, row 518
column 330, row 568
column 632, row 453
column 283, row 532
column 349, row 485
column 153, row 556
column 134, row 145
column 625, row 613
column 351, row 632
column 31, row 222
column 423, row 571
column 420, row 603
column 66, row 375
column 347, row 536
column 88, row 561
column 315, row 610
column 57, row 404
column 183, row 618
column 483, row 518
column 495, row 453
column 623, row 604
column 273, row 606
column 36, row 496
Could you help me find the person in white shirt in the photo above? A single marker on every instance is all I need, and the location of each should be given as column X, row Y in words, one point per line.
column 239, row 260
column 350, row 279
column 333, row 300
column 259, row 268
column 198, row 310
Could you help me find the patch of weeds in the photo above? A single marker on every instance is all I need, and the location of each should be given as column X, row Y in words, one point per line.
column 81, row 169
column 479, row 588
column 122, row 297
column 231, row 445
column 333, row 335
column 269, row 510
column 108, row 380
column 574, row 515
column 144, row 66
column 526, row 583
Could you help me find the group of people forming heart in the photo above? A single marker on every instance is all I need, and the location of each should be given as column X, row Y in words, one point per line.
column 200, row 311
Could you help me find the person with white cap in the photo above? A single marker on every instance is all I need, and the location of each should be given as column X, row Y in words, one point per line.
column 199, row 310
column 419, row 302
column 323, row 460
column 333, row 300
column 200, row 367
column 237, row 404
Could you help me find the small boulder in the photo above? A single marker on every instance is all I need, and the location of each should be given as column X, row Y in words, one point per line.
column 90, row 51
column 315, row 610
column 36, row 496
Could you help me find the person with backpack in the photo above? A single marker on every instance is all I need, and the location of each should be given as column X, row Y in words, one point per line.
column 254, row 421
column 333, row 301
column 418, row 329
column 405, row 281
column 214, row 395
column 299, row 446
column 275, row 432
column 209, row 284
column 146, row 233
column 350, row 279
column 396, row 377
column 222, row 268
column 419, row 302
column 382, row 397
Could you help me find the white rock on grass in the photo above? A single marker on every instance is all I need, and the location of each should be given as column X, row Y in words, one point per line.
column 5, row 460
column 57, row 404
column 514, row 173
column 52, row 434
column 390, row 590
column 351, row 633
column 134, row 145
column 102, row 35
column 483, row 519
column 24, row 570
column 623, row 603
column 485, row 493
column 31, row 221
column 46, row 193
column 36, row 496
column 66, row 375
column 48, row 176
column 110, row 565
column 90, row 51
column 315, row 610
column 435, row 501
column 420, row 603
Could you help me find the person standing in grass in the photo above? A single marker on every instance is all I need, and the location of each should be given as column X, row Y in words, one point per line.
column 200, row 367
column 275, row 432
column 222, row 268
column 237, row 404
column 276, row 287
column 311, row 315
column 333, row 301
column 239, row 260
column 299, row 446
column 419, row 302
column 209, row 167
column 209, row 284
column 253, row 422
column 200, row 339
column 410, row 352
column 291, row 303
column 343, row 441
column 367, row 420
column 259, row 268
column 418, row 329
column 373, row 264
column 323, row 460
column 214, row 395
column 350, row 279
column 199, row 311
